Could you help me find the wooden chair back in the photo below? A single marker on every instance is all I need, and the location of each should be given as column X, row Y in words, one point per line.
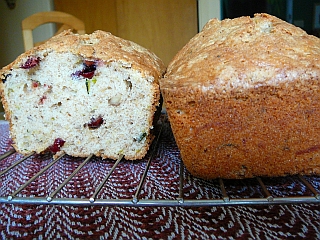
column 67, row 21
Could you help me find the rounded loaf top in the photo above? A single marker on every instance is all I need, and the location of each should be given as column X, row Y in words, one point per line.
column 244, row 53
column 100, row 45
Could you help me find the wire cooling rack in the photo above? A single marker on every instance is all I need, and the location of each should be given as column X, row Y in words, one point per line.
column 158, row 180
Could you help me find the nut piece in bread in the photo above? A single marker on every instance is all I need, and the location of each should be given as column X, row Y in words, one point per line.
column 243, row 99
column 81, row 95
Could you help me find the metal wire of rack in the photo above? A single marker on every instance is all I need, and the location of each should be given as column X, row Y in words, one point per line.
column 184, row 197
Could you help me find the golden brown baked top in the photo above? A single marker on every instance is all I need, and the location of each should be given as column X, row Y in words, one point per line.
column 99, row 45
column 243, row 53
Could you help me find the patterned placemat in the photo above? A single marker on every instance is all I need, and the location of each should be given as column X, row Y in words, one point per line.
column 19, row 221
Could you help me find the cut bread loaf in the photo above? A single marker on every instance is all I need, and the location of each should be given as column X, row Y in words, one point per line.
column 81, row 95
column 243, row 99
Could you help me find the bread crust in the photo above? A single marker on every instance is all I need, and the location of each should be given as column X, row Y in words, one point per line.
column 243, row 99
column 98, row 45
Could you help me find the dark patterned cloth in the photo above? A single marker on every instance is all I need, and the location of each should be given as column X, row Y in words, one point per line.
column 34, row 221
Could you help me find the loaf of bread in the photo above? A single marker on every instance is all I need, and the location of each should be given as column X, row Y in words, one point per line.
column 243, row 99
column 82, row 95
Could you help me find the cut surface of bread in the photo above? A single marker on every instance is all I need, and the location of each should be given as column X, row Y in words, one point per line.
column 81, row 95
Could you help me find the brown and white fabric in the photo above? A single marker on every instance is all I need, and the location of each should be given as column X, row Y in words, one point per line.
column 33, row 221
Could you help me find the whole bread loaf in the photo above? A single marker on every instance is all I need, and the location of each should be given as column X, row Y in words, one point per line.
column 243, row 99
column 81, row 95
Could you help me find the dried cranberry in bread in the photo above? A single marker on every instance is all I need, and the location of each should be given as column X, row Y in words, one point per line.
column 81, row 95
column 243, row 99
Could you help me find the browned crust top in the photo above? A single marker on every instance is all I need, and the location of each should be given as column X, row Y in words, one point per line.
column 243, row 53
column 99, row 45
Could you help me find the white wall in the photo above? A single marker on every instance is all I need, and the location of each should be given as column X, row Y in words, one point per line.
column 208, row 9
column 11, row 43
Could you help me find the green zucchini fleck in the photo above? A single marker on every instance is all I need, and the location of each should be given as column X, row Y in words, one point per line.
column 90, row 83
column 141, row 137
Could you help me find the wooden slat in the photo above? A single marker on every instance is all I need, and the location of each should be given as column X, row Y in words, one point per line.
column 163, row 26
